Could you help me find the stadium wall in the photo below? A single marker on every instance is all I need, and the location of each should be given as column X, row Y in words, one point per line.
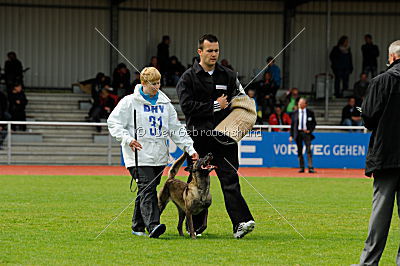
column 57, row 41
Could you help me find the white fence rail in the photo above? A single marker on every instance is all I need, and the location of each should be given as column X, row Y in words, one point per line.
column 109, row 143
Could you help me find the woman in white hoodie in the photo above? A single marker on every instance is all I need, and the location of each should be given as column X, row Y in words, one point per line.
column 156, row 120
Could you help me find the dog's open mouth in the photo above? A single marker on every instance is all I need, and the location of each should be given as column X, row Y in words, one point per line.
column 208, row 167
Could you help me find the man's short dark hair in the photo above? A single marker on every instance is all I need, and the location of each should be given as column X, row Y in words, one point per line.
column 209, row 37
column 269, row 59
column 369, row 36
column 165, row 38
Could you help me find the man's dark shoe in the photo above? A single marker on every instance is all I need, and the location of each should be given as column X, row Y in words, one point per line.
column 301, row 170
column 311, row 171
column 157, row 231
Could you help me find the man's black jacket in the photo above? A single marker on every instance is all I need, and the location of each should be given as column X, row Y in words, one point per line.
column 294, row 127
column 197, row 90
column 381, row 114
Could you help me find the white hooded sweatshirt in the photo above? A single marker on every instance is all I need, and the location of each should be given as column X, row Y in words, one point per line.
column 155, row 123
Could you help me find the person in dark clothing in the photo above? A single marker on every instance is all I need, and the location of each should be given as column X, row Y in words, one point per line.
column 96, row 85
column 360, row 88
column 301, row 128
column 17, row 103
column 13, row 71
column 4, row 116
column 204, row 91
column 175, row 71
column 107, row 103
column 350, row 115
column 121, row 82
column 266, row 91
column 163, row 54
column 380, row 113
column 135, row 81
column 342, row 65
column 279, row 118
column 370, row 52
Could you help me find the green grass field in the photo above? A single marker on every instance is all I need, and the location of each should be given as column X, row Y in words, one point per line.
column 54, row 220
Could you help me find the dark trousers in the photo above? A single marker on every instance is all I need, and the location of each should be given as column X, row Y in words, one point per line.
column 235, row 204
column 146, row 213
column 386, row 189
column 306, row 138
column 341, row 75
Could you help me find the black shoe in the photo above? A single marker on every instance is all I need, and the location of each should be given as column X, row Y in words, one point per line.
column 301, row 170
column 157, row 231
column 311, row 171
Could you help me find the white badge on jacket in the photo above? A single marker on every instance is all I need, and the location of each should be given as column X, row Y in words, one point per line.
column 221, row 87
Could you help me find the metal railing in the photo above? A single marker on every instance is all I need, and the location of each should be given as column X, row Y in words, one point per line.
column 109, row 142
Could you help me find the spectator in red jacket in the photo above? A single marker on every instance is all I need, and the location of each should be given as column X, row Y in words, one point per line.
column 279, row 118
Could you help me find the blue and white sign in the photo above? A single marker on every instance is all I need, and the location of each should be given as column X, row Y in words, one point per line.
column 273, row 149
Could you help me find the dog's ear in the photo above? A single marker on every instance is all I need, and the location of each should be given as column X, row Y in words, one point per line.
column 189, row 168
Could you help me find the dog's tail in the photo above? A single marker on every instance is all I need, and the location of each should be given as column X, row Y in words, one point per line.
column 175, row 167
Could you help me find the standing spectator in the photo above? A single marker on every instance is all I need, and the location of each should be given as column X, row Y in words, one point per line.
column 302, row 126
column 274, row 70
column 342, row 65
column 350, row 115
column 360, row 88
column 370, row 52
column 380, row 113
column 290, row 101
column 4, row 116
column 121, row 80
column 17, row 102
column 175, row 71
column 279, row 118
column 163, row 54
column 225, row 63
column 266, row 91
column 13, row 71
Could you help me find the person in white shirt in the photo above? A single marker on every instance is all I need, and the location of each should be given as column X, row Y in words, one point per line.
column 156, row 120
column 302, row 126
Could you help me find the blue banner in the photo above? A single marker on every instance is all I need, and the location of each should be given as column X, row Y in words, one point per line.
column 273, row 149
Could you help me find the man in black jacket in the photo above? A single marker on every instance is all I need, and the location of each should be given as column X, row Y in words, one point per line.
column 204, row 91
column 303, row 124
column 380, row 112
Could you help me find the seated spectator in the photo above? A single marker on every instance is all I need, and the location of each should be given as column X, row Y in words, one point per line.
column 252, row 94
column 175, row 71
column 266, row 91
column 94, row 85
column 290, row 101
column 225, row 63
column 121, row 82
column 279, row 118
column 136, row 81
column 350, row 115
column 154, row 63
column 17, row 103
column 360, row 88
column 13, row 71
column 108, row 101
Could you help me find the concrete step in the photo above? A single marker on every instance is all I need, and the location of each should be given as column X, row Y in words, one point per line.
column 61, row 159
column 49, row 150
column 68, row 139
column 63, row 97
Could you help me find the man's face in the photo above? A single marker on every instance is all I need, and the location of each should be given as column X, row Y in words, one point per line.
column 278, row 110
column 209, row 54
column 364, row 77
column 352, row 102
column 368, row 40
column 392, row 58
column 251, row 93
column 295, row 93
column 302, row 104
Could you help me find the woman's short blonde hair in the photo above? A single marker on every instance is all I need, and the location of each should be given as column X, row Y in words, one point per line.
column 150, row 75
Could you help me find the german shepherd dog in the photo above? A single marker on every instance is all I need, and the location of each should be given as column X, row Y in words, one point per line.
column 190, row 198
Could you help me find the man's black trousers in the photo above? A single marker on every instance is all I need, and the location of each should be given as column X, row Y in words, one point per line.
column 235, row 204
column 146, row 213
column 306, row 138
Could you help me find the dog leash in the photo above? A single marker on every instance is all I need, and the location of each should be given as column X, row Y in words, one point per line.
column 135, row 175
